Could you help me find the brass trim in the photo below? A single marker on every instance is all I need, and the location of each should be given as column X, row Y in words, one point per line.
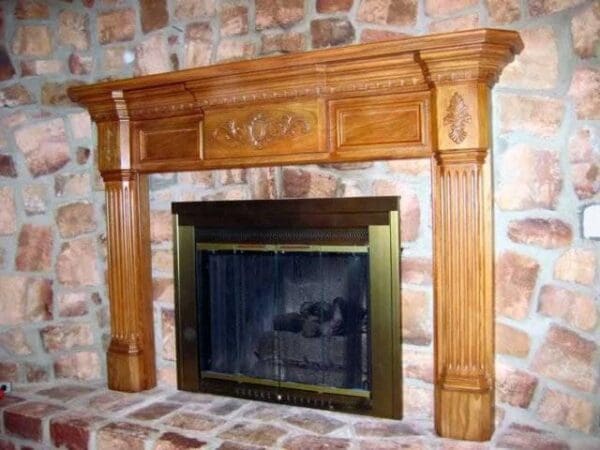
column 286, row 384
column 282, row 248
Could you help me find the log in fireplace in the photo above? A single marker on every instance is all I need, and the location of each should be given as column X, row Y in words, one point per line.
column 293, row 301
column 421, row 97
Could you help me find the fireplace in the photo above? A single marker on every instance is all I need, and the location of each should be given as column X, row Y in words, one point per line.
column 292, row 301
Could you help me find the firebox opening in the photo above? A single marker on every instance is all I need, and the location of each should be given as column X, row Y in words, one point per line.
column 299, row 307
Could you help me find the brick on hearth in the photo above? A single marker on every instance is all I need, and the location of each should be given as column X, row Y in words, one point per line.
column 536, row 67
column 226, row 407
column 504, row 11
column 152, row 56
column 154, row 14
column 44, row 145
column 512, row 341
column 34, row 248
column 76, row 263
column 176, row 441
column 394, row 12
column 577, row 309
column 314, row 422
column 66, row 392
column 567, row 357
column 529, row 179
column 585, row 163
column 14, row 341
column 74, row 30
column 384, row 428
column 8, row 212
column 416, row 317
column 576, row 265
column 585, row 30
column 32, row 41
column 255, row 434
column 116, row 26
column 194, row 9
column 78, row 366
column 516, row 276
column 154, row 411
column 331, row 32
column 233, row 20
column 584, row 89
column 545, row 7
column 15, row 95
column 410, row 208
column 306, row 441
column 7, row 70
column 123, row 435
column 518, row 436
column 113, row 401
column 545, row 233
column 25, row 420
column 24, row 299
column 73, row 430
column 536, row 115
column 188, row 420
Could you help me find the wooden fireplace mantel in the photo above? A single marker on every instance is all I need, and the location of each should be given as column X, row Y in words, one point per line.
column 422, row 97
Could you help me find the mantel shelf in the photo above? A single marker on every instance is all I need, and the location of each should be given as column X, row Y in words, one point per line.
column 418, row 97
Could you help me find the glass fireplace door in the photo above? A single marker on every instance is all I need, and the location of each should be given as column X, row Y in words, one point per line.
column 285, row 315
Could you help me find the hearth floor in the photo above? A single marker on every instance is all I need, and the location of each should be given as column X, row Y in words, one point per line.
column 80, row 416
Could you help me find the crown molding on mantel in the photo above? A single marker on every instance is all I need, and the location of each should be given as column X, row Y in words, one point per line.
column 418, row 97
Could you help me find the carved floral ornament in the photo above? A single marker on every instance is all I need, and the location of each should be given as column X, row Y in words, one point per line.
column 261, row 128
column 457, row 118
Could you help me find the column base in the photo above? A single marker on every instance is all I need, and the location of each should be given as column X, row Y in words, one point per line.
column 126, row 371
column 463, row 414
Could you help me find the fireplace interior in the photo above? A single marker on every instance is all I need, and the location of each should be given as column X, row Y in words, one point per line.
column 292, row 301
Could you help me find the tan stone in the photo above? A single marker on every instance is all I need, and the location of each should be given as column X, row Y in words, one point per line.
column 543, row 7
column 167, row 320
column 35, row 199
column 194, row 9
column 585, row 29
column 577, row 265
column 331, row 32
column 32, row 40
column 229, row 50
column 516, row 276
column 467, row 22
column 370, row 35
column 15, row 342
column 567, row 357
column 331, row 6
column 529, row 179
column 515, row 387
column 8, row 212
column 32, row 10
column 575, row 308
column 410, row 208
column 72, row 185
column 116, row 26
column 154, row 14
column 511, row 341
column 73, row 29
column 152, row 56
column 75, row 219
column 56, row 338
column 504, row 11
column 44, row 145
column 559, row 408
column 536, row 67
column 161, row 226
column 391, row 12
column 536, row 115
column 34, row 248
column 24, row 300
column 545, row 233
column 76, row 263
column 78, row 366
column 278, row 13
column 443, row 7
column 584, row 89
column 416, row 317
column 290, row 42
column 234, row 20
column 72, row 304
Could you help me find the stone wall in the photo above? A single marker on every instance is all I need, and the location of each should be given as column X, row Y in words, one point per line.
column 53, row 305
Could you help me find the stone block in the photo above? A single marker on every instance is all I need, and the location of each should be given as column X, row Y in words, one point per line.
column 76, row 263
column 154, row 411
column 34, row 248
column 15, row 342
column 559, row 408
column 233, row 20
column 516, row 276
column 39, row 67
column 416, row 317
column 585, row 30
column 525, row 437
column 305, row 183
column 515, row 387
column 176, row 441
column 154, row 14
column 307, row 441
column 44, row 146
column 32, row 10
column 35, row 199
column 436, row 8
column 584, row 157
column 80, row 64
column 194, row 9
column 78, row 366
column 161, row 226
column 584, row 89
column 512, row 341
column 116, row 26
column 72, row 430
column 75, row 219
column 576, row 265
column 24, row 299
column 32, row 41
column 167, row 320
column 536, row 115
column 545, row 7
column 25, row 420
column 289, row 42
column 193, row 421
column 278, row 13
column 230, row 50
column 388, row 12
column 410, row 207
column 545, row 233
column 504, row 11
column 15, row 95
column 74, row 29
column 8, row 212
column 417, row 271
column 331, row 32
column 577, row 309
column 257, row 434
column 333, row 6
column 152, row 56
column 7, row 70
column 123, row 435
column 373, row 35
column 62, row 337
column 314, row 422
column 468, row 22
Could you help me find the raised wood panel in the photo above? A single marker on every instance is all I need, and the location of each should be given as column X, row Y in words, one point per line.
column 394, row 122
column 172, row 139
column 287, row 128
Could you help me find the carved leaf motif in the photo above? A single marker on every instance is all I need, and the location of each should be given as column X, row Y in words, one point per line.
column 457, row 118
column 261, row 128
